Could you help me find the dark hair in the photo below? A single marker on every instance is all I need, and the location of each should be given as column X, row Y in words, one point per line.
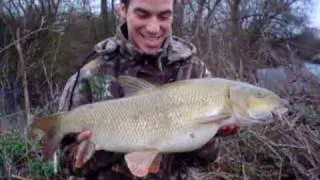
column 125, row 2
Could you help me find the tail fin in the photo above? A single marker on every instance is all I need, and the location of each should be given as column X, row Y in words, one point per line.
column 45, row 123
column 45, row 127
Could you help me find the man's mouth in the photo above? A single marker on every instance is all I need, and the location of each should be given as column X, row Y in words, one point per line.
column 151, row 41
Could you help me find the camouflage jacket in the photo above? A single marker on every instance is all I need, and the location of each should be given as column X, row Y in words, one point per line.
column 98, row 81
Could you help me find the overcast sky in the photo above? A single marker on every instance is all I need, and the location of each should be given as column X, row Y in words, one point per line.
column 315, row 14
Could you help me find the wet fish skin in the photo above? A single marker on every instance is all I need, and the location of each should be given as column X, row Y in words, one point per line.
column 176, row 117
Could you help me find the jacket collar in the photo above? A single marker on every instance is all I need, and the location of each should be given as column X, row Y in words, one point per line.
column 173, row 49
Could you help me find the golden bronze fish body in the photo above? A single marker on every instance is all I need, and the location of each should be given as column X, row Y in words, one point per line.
column 176, row 117
column 156, row 119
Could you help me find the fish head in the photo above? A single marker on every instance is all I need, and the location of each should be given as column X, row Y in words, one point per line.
column 252, row 104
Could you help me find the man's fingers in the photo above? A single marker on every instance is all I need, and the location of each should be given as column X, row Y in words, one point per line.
column 85, row 135
column 232, row 129
column 228, row 130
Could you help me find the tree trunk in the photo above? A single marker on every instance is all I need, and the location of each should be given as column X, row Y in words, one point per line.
column 179, row 17
column 114, row 20
column 24, row 77
column 198, row 19
column 234, row 17
column 234, row 36
column 105, row 17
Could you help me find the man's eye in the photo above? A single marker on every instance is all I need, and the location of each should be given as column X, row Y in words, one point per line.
column 142, row 15
column 164, row 16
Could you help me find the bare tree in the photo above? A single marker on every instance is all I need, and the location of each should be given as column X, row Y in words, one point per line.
column 27, row 24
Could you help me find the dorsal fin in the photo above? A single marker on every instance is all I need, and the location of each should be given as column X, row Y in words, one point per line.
column 133, row 86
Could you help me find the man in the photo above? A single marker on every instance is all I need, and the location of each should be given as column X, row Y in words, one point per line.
column 143, row 47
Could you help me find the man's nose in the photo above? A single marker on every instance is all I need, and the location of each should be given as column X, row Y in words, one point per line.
column 153, row 26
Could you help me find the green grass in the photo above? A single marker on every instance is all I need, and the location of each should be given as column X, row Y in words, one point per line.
column 16, row 159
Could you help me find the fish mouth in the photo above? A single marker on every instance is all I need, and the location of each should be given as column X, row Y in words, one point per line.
column 264, row 120
column 274, row 115
column 279, row 113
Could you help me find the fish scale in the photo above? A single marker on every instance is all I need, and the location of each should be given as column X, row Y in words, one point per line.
column 148, row 121
column 176, row 117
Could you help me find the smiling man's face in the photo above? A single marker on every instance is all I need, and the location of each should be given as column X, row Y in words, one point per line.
column 149, row 23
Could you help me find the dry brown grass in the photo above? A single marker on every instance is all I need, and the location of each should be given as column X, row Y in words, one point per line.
column 286, row 149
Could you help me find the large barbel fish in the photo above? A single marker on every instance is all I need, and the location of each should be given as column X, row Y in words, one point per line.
column 153, row 119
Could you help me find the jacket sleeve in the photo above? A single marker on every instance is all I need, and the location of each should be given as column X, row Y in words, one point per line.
column 68, row 145
column 96, row 82
column 81, row 94
column 88, row 89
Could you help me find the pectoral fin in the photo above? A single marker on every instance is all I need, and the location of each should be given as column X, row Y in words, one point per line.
column 155, row 166
column 214, row 118
column 221, row 115
column 85, row 151
column 139, row 163
column 53, row 141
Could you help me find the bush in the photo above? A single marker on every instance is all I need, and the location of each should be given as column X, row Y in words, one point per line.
column 17, row 160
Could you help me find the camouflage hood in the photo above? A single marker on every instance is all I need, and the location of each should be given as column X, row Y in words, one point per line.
column 174, row 48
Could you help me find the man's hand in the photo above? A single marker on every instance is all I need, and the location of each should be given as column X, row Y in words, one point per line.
column 85, row 149
column 228, row 130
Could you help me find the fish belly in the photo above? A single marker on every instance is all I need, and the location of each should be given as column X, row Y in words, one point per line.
column 173, row 140
column 188, row 139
